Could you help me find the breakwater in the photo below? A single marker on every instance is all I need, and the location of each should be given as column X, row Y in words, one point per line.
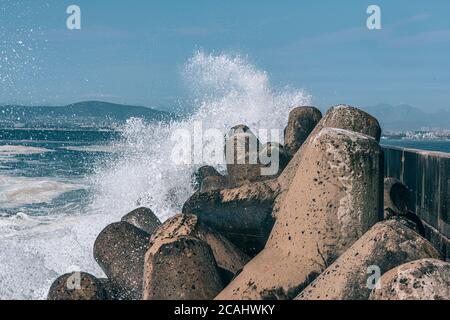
column 427, row 175
column 314, row 230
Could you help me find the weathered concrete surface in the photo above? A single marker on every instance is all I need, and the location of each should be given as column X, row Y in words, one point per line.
column 76, row 286
column 427, row 175
column 386, row 245
column 181, row 268
column 243, row 215
column 246, row 214
column 120, row 250
column 333, row 200
column 228, row 257
column 396, row 201
column 273, row 158
column 143, row 218
column 248, row 161
column 241, row 155
column 301, row 122
column 203, row 173
column 397, row 197
column 427, row 279
column 340, row 117
column 212, row 183
column 111, row 293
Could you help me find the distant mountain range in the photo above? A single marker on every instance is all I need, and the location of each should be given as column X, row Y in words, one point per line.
column 405, row 117
column 92, row 114
column 97, row 114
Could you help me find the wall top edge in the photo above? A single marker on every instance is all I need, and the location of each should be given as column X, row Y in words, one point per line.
column 418, row 151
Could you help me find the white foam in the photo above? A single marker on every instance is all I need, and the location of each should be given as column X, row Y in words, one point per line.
column 229, row 91
column 14, row 150
column 96, row 148
column 34, row 251
column 19, row 191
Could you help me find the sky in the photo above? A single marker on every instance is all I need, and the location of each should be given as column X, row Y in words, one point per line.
column 132, row 51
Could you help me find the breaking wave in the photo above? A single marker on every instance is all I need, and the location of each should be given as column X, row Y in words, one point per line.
column 227, row 90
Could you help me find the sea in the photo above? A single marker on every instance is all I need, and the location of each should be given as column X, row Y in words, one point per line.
column 430, row 145
column 60, row 187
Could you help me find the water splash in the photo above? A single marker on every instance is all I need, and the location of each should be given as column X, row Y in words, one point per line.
column 21, row 49
column 228, row 91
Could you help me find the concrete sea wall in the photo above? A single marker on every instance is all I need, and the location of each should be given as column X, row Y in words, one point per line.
column 427, row 174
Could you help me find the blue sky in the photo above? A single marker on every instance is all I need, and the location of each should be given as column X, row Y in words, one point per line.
column 132, row 51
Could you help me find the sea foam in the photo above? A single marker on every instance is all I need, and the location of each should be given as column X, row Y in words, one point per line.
column 227, row 90
column 12, row 150
column 19, row 191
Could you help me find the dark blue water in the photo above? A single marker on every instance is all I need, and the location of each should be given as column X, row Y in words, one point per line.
column 43, row 170
column 433, row 145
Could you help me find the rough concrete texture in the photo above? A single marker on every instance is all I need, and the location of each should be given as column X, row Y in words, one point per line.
column 335, row 197
column 143, row 218
column 212, row 183
column 111, row 293
column 340, row 117
column 386, row 245
column 181, row 268
column 397, row 198
column 76, row 286
column 120, row 250
column 301, row 122
column 241, row 155
column 227, row 256
column 243, row 215
column 427, row 175
column 273, row 158
column 203, row 173
column 426, row 279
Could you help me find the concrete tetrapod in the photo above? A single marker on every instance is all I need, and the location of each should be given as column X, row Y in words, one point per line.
column 335, row 197
column 353, row 275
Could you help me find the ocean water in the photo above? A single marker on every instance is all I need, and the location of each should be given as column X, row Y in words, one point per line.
column 59, row 189
column 45, row 191
column 42, row 170
column 430, row 145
